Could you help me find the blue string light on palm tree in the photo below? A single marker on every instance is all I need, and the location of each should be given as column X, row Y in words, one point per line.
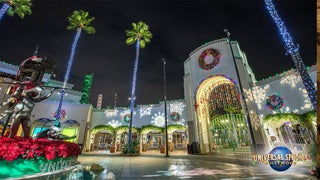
column 4, row 9
column 79, row 20
column 293, row 50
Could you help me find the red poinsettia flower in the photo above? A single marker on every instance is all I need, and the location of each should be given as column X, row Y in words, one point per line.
column 18, row 147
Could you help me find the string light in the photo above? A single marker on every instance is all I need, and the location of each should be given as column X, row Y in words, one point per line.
column 292, row 78
column 158, row 119
column 177, row 107
column 145, row 110
column 67, row 75
column 4, row 9
column 293, row 50
column 110, row 112
column 114, row 123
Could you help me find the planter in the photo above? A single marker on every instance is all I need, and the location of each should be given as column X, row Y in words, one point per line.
column 144, row 147
column 22, row 167
column 112, row 149
column 138, row 149
column 162, row 150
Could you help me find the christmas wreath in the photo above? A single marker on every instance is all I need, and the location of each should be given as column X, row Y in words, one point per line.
column 63, row 114
column 209, row 58
column 126, row 118
column 274, row 102
column 175, row 116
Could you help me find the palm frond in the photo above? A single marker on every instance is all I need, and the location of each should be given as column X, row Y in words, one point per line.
column 81, row 19
column 20, row 7
column 139, row 31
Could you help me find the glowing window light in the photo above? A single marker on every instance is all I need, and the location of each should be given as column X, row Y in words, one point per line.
column 145, row 111
column 111, row 112
column 177, row 107
column 292, row 79
column 114, row 123
column 158, row 119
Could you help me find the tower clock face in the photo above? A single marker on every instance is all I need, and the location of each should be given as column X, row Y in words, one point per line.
column 209, row 58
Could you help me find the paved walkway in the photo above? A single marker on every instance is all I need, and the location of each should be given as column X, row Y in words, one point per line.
column 179, row 165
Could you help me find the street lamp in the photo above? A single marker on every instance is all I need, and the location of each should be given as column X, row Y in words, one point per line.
column 242, row 94
column 165, row 104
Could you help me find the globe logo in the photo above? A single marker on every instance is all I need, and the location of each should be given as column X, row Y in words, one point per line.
column 279, row 160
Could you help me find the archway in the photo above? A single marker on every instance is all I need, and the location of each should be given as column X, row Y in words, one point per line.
column 102, row 137
column 217, row 96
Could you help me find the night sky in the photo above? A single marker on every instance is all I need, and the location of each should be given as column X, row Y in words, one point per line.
column 179, row 27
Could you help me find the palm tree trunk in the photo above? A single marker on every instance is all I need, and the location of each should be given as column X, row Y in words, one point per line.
column 4, row 9
column 67, row 75
column 293, row 50
column 133, row 91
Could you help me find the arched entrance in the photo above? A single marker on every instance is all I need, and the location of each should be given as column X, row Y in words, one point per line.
column 102, row 137
column 219, row 119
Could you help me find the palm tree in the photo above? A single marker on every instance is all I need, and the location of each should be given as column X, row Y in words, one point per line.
column 79, row 20
column 293, row 51
column 141, row 35
column 19, row 7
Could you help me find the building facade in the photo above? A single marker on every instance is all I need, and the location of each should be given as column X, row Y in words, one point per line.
column 226, row 106
column 225, row 109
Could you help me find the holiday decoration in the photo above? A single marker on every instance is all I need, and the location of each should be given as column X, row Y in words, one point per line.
column 126, row 118
column 145, row 110
column 79, row 20
column 175, row 117
column 209, row 58
column 274, row 102
column 86, row 88
column 177, row 107
column 23, row 156
column 114, row 123
column 111, row 112
column 62, row 114
column 141, row 35
column 19, row 7
column 293, row 50
column 158, row 119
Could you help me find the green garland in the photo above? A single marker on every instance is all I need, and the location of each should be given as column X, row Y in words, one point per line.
column 174, row 127
column 103, row 127
column 304, row 119
column 147, row 128
column 121, row 129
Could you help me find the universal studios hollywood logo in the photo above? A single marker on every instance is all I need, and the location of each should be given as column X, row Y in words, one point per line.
column 280, row 158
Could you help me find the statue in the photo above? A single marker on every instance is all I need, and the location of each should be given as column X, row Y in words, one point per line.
column 26, row 91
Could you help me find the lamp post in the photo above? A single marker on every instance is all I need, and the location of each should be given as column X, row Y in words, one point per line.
column 246, row 111
column 165, row 105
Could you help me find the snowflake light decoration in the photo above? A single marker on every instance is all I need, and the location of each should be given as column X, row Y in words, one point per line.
column 114, row 123
column 145, row 110
column 181, row 122
column 291, row 79
column 177, row 107
column 259, row 94
column 306, row 103
column 125, row 112
column 158, row 119
column 110, row 112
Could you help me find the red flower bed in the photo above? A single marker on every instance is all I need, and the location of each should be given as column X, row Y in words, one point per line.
column 27, row 148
